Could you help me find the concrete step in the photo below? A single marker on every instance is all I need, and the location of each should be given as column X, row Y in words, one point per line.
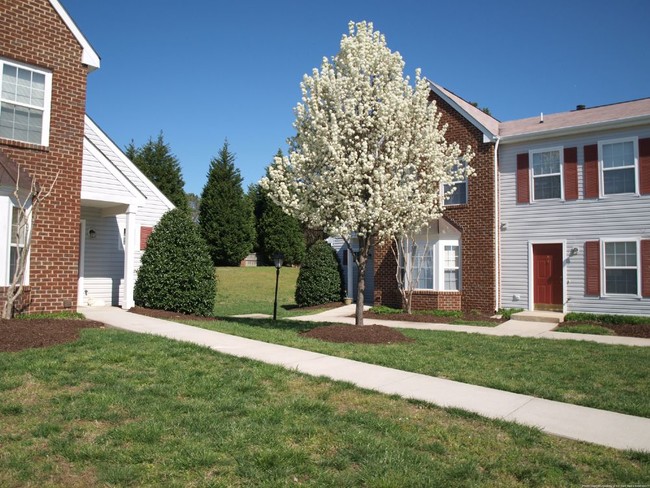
column 539, row 316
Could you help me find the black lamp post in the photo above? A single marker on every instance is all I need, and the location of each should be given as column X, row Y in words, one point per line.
column 278, row 258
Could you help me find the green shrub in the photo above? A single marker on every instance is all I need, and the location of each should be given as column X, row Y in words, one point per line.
column 506, row 313
column 440, row 313
column 177, row 273
column 384, row 310
column 606, row 318
column 319, row 280
column 585, row 329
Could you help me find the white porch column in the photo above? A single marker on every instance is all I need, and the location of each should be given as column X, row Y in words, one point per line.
column 129, row 257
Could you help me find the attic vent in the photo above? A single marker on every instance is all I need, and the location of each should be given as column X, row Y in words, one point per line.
column 581, row 107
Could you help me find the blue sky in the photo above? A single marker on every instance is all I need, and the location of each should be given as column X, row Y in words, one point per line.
column 202, row 71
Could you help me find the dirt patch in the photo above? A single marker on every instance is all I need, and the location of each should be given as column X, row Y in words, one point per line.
column 624, row 330
column 167, row 315
column 19, row 334
column 433, row 319
column 359, row 334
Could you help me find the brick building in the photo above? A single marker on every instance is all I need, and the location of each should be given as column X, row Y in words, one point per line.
column 44, row 132
column 461, row 247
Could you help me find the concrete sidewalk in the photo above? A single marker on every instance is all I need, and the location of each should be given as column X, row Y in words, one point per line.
column 519, row 328
column 581, row 423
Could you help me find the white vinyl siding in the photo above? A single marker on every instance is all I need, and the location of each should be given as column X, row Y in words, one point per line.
column 619, row 217
column 25, row 94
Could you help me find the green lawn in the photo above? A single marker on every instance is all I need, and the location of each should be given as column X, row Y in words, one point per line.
column 252, row 290
column 121, row 409
column 584, row 373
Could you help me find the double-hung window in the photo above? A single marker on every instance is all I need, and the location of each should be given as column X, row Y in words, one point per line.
column 434, row 262
column 459, row 195
column 621, row 268
column 618, row 165
column 547, row 173
column 25, row 94
column 452, row 266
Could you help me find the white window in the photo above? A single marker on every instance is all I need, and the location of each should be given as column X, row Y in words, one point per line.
column 459, row 196
column 621, row 268
column 618, row 163
column 24, row 103
column 434, row 262
column 547, row 173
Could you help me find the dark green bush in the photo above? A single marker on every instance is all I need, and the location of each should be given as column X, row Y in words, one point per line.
column 385, row 310
column 177, row 273
column 319, row 280
column 606, row 318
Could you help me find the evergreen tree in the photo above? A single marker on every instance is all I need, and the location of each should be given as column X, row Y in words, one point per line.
column 225, row 213
column 157, row 162
column 320, row 278
column 276, row 230
column 176, row 272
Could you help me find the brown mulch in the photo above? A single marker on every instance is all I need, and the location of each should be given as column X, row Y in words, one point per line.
column 625, row 330
column 359, row 334
column 420, row 317
column 165, row 314
column 19, row 334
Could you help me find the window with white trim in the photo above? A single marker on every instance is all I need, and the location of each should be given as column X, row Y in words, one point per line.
column 25, row 95
column 621, row 268
column 459, row 195
column 547, row 173
column 434, row 262
column 618, row 163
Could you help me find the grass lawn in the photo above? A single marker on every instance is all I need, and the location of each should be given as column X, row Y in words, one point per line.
column 252, row 290
column 595, row 375
column 121, row 409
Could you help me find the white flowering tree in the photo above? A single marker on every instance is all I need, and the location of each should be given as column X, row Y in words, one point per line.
column 369, row 156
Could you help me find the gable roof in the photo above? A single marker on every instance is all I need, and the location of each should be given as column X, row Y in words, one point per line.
column 88, row 55
column 624, row 114
column 606, row 116
column 487, row 124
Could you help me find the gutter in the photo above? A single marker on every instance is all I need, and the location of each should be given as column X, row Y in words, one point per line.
column 497, row 227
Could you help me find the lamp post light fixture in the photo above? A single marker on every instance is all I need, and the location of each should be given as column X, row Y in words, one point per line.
column 278, row 259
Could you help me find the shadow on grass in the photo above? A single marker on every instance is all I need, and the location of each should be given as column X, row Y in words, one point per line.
column 280, row 324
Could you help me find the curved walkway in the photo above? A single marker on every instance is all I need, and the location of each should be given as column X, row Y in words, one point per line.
column 520, row 328
column 575, row 422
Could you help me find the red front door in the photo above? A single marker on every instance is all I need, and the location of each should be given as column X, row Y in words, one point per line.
column 547, row 276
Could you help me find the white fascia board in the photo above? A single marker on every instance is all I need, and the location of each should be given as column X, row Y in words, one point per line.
column 88, row 55
column 137, row 196
column 487, row 135
column 578, row 129
column 120, row 154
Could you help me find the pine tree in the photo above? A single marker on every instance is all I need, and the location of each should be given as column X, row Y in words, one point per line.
column 225, row 213
column 157, row 162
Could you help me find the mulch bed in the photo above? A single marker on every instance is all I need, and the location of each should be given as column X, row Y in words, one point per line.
column 358, row 334
column 625, row 330
column 19, row 334
column 167, row 315
column 420, row 317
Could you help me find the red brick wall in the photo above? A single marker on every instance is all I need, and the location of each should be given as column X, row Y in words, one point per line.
column 476, row 221
column 33, row 33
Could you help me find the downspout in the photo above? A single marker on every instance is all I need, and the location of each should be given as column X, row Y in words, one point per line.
column 497, row 226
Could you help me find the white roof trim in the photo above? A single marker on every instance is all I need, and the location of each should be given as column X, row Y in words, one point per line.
column 138, row 197
column 487, row 135
column 118, row 152
column 88, row 55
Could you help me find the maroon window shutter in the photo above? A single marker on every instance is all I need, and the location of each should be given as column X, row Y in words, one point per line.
column 145, row 232
column 592, row 268
column 571, row 173
column 591, row 171
column 645, row 268
column 523, row 175
column 644, row 166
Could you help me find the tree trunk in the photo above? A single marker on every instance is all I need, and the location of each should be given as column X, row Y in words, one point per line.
column 361, row 260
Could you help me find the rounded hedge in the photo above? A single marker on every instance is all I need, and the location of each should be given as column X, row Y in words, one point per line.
column 176, row 273
column 319, row 280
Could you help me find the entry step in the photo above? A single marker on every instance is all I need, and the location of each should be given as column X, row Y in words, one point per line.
column 539, row 316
